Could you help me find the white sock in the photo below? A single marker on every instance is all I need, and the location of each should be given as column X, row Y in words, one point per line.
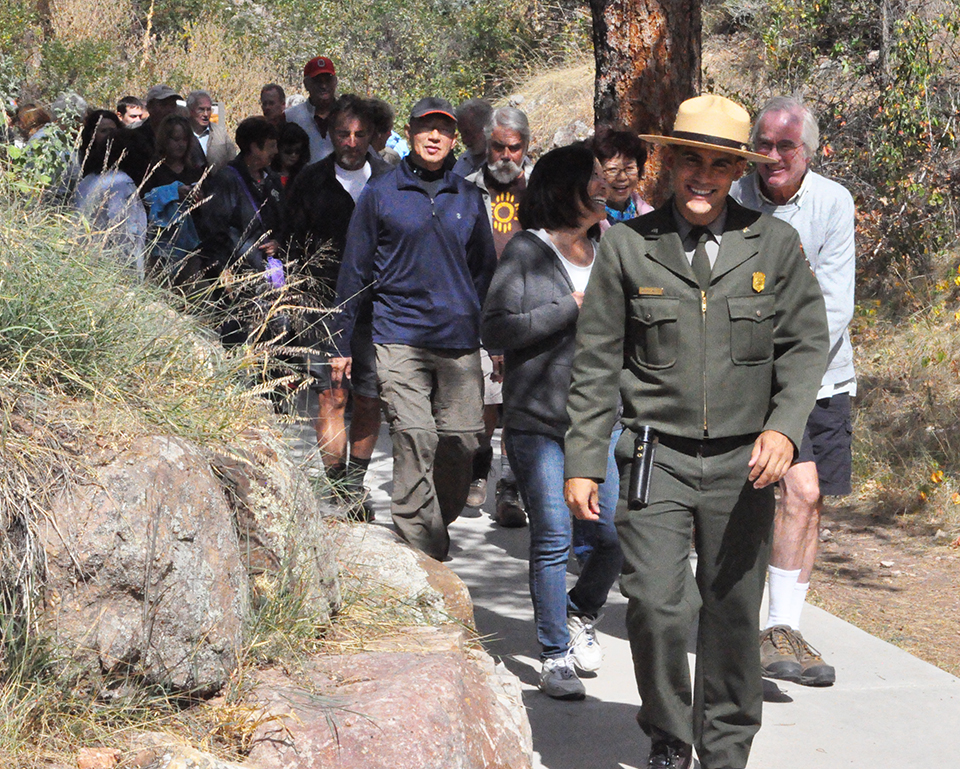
column 799, row 598
column 782, row 588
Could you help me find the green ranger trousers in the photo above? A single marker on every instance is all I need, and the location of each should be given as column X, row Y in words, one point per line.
column 700, row 490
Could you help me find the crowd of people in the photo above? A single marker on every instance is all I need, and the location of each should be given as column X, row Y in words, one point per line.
column 477, row 292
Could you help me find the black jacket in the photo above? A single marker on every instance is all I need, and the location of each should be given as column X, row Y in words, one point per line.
column 318, row 215
column 239, row 216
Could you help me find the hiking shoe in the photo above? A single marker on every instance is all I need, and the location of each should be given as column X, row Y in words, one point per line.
column 478, row 493
column 559, row 680
column 585, row 649
column 509, row 512
column 670, row 754
column 813, row 670
column 778, row 654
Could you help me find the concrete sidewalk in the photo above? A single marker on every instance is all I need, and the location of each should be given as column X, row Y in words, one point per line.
column 888, row 709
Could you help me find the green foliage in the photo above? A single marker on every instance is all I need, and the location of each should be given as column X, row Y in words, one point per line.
column 71, row 325
column 87, row 66
column 18, row 22
column 11, row 75
column 402, row 52
column 887, row 106
column 796, row 34
column 40, row 165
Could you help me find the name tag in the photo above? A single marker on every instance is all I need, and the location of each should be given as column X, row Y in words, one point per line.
column 644, row 291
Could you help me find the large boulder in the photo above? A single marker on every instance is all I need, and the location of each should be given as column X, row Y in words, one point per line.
column 284, row 528
column 444, row 706
column 419, row 693
column 143, row 570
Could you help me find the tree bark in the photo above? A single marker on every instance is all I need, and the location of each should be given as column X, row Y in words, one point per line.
column 648, row 61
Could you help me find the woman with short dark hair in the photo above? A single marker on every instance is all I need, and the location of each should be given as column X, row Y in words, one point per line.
column 242, row 221
column 622, row 156
column 531, row 313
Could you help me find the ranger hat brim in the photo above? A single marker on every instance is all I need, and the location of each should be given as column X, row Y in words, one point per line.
column 714, row 123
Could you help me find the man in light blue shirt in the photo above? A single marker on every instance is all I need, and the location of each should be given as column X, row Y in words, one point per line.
column 822, row 212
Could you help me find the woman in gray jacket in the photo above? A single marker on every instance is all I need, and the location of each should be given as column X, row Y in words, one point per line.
column 531, row 314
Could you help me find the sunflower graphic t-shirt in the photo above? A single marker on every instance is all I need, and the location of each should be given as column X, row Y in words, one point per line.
column 504, row 200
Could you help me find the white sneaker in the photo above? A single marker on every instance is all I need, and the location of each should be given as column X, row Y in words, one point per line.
column 559, row 680
column 585, row 649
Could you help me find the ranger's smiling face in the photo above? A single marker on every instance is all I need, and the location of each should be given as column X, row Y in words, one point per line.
column 701, row 179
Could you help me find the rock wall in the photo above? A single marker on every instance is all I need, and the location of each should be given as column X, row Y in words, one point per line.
column 149, row 559
column 421, row 695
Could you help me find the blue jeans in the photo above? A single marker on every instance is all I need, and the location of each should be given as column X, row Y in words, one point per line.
column 537, row 461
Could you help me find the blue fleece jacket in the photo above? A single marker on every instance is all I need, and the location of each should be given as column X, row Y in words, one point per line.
column 428, row 262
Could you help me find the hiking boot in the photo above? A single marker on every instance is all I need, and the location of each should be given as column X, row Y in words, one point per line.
column 585, row 649
column 509, row 512
column 813, row 670
column 670, row 754
column 559, row 680
column 478, row 493
column 778, row 654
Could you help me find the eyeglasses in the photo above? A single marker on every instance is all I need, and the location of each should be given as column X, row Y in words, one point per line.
column 784, row 149
column 612, row 172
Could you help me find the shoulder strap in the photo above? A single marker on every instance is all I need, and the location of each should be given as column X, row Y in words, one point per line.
column 246, row 189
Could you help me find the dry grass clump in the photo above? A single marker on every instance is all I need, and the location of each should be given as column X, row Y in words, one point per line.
column 906, row 443
column 89, row 358
column 555, row 99
column 73, row 21
column 73, row 324
column 211, row 58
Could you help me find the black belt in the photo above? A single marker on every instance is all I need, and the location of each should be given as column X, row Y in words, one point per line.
column 706, row 447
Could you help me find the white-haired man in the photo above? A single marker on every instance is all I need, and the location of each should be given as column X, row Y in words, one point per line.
column 822, row 212
column 502, row 180
column 214, row 148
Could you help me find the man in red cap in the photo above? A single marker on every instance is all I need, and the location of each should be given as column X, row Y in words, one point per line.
column 320, row 82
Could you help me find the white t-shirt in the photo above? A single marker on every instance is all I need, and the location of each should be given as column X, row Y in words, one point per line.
column 353, row 181
column 578, row 275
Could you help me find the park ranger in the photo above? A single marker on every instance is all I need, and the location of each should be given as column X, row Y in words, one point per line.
column 707, row 318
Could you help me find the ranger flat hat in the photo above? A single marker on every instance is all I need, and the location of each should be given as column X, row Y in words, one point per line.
column 712, row 122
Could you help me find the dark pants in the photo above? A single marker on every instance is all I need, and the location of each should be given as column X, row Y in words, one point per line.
column 433, row 403
column 706, row 492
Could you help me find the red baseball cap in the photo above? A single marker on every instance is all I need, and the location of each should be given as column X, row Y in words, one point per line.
column 319, row 65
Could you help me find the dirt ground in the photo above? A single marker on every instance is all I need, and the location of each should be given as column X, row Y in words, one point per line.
column 898, row 582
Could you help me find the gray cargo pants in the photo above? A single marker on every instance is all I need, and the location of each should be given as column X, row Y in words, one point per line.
column 433, row 402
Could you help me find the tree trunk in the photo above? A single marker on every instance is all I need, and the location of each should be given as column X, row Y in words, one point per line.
column 648, row 61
